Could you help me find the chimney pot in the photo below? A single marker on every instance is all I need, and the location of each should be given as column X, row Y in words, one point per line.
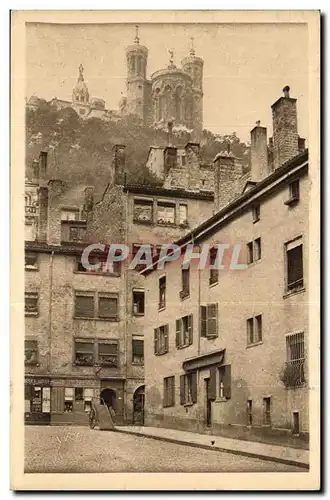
column 258, row 123
column 286, row 91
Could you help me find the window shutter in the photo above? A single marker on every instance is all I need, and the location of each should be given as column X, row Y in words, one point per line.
column 177, row 332
column 57, row 399
column 213, row 383
column 227, row 382
column 84, row 306
column 108, row 307
column 212, row 320
column 166, row 338
column 182, row 394
column 156, row 330
column 190, row 329
column 194, row 387
column 203, row 325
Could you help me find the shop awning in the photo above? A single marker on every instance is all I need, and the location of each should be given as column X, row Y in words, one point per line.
column 204, row 360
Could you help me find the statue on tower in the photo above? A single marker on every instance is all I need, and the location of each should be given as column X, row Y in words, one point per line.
column 137, row 38
column 81, row 72
column 171, row 65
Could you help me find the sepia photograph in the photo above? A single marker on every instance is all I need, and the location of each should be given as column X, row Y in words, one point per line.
column 165, row 318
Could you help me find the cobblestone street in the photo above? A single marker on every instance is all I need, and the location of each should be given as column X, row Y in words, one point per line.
column 79, row 449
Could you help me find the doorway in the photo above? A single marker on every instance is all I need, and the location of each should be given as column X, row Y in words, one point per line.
column 296, row 424
column 108, row 398
column 138, row 406
column 208, row 403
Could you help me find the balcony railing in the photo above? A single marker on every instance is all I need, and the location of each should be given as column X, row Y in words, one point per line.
column 30, row 210
column 294, row 374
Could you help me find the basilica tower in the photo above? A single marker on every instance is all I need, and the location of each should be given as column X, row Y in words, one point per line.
column 80, row 94
column 193, row 65
column 136, row 83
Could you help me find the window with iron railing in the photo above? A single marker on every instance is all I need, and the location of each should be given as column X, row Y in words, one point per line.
column 294, row 371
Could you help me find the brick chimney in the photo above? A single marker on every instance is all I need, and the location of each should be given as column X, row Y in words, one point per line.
column 259, row 153
column 119, row 163
column 227, row 170
column 285, row 129
column 55, row 189
column 193, row 162
column 301, row 144
column 170, row 152
column 43, row 213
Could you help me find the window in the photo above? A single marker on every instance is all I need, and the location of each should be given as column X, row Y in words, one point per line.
column 79, row 394
column 31, row 303
column 82, row 111
column 108, row 353
column 185, row 275
column 294, row 369
column 68, row 399
column 188, row 388
column 31, row 260
column 88, row 396
column 96, row 305
column 183, row 217
column 224, row 382
column 84, row 352
column 169, row 392
column 209, row 320
column 137, row 351
column 294, row 193
column 183, row 160
column 267, row 411
column 254, row 330
column 165, row 213
column 294, row 266
column 31, row 352
column 105, row 267
column 70, row 214
column 138, row 302
column 143, row 211
column 77, row 233
column 254, row 251
column 249, row 412
column 214, row 273
column 256, row 213
column 161, row 340
column 162, row 292
column 108, row 306
column 184, row 331
column 85, row 305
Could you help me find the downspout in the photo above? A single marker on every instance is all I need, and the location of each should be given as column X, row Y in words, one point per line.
column 126, row 312
column 50, row 269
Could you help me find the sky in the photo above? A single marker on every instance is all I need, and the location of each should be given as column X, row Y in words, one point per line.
column 246, row 66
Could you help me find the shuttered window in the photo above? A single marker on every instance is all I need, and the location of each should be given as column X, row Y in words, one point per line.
column 209, row 320
column 184, row 331
column 108, row 353
column 85, row 305
column 161, row 340
column 84, row 352
column 295, row 272
column 108, row 306
column 169, row 392
column 188, row 388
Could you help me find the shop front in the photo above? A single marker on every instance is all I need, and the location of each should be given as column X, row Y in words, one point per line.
column 37, row 401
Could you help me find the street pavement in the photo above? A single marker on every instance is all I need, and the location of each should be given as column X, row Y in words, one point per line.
column 79, row 449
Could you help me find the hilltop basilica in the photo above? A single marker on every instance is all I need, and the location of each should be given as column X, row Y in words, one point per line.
column 170, row 94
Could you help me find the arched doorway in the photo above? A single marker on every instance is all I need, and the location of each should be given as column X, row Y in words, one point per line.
column 108, row 397
column 138, row 406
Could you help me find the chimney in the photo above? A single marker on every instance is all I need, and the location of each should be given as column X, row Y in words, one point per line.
column 35, row 171
column 119, row 163
column 285, row 133
column 259, row 153
column 170, row 152
column 55, row 189
column 43, row 213
column 43, row 157
column 227, row 170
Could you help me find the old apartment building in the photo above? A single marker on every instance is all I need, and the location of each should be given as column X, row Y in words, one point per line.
column 227, row 349
column 84, row 331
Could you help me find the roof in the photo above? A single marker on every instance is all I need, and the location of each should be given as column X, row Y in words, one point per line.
column 64, row 248
column 177, row 193
column 211, row 225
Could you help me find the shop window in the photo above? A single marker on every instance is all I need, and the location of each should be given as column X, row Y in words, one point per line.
column 88, row 396
column 78, row 394
column 68, row 399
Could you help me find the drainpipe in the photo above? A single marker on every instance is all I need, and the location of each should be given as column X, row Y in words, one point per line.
column 126, row 313
column 50, row 270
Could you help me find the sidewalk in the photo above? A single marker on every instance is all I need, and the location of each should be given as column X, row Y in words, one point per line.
column 270, row 452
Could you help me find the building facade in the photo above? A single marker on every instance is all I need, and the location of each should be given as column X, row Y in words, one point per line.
column 227, row 352
column 84, row 334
